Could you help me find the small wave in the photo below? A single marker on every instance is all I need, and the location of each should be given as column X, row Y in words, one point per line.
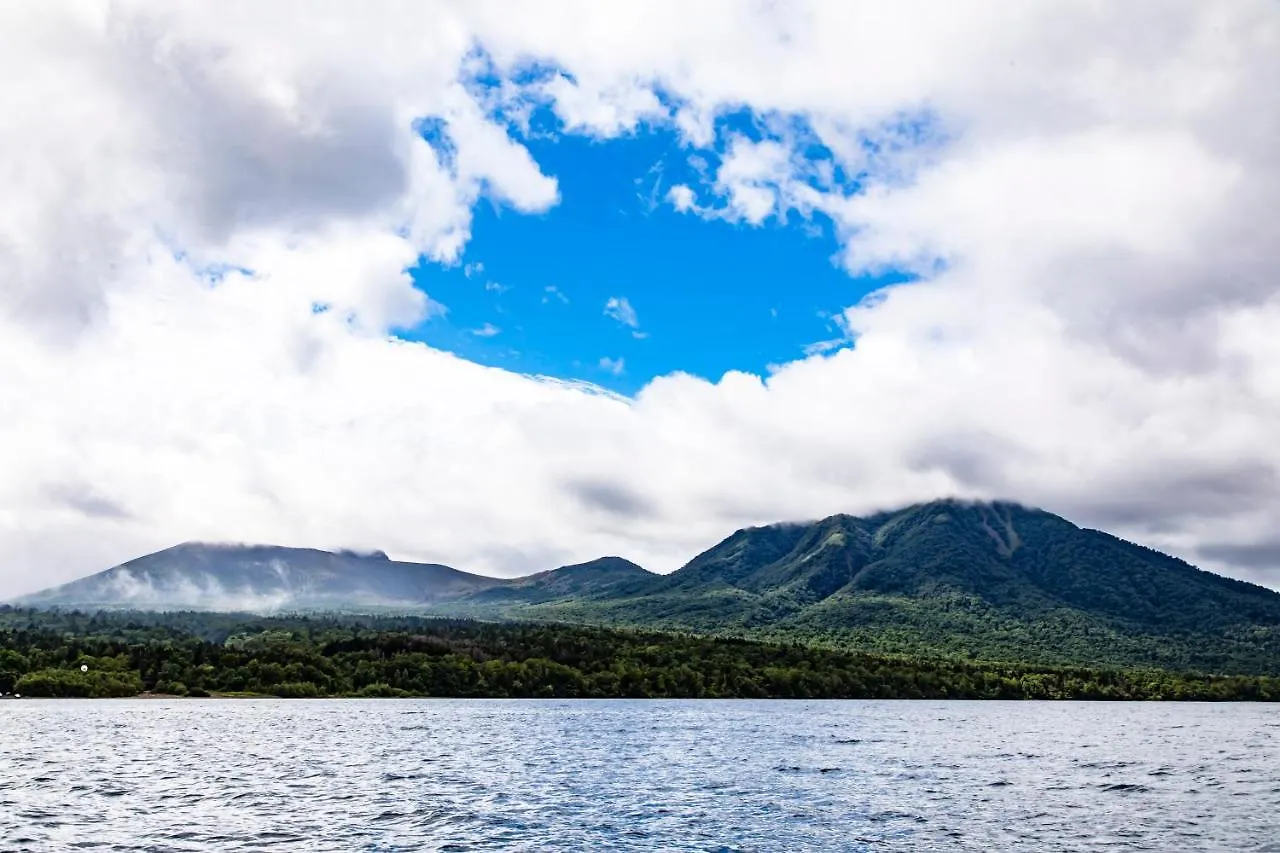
column 1106, row 765
column 891, row 815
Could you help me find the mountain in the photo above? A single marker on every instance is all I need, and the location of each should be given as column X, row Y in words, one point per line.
column 990, row 581
column 995, row 581
column 263, row 578
column 597, row 580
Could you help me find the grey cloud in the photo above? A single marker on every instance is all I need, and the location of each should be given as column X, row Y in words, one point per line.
column 978, row 460
column 87, row 501
column 1169, row 323
column 509, row 561
column 233, row 158
column 1167, row 503
column 611, row 498
column 1252, row 555
column 247, row 161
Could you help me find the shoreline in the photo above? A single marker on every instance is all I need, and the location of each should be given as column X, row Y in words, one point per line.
column 267, row 696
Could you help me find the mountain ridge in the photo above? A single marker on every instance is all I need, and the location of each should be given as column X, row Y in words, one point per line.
column 966, row 579
column 970, row 579
column 215, row 576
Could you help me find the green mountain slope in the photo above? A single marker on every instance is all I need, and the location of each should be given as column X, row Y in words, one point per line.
column 600, row 579
column 991, row 581
column 988, row 581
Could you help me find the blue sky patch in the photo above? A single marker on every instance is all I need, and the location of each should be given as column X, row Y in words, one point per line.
column 614, row 286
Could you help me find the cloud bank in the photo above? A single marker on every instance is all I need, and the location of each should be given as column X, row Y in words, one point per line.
column 209, row 211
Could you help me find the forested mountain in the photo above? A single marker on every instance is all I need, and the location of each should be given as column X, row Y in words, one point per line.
column 993, row 581
column 980, row 580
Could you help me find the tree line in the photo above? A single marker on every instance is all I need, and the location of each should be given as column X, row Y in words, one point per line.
column 110, row 654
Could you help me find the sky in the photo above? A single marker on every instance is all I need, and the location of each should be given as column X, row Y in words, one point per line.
column 514, row 287
column 615, row 286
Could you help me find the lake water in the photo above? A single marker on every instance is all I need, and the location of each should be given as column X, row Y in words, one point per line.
column 228, row 775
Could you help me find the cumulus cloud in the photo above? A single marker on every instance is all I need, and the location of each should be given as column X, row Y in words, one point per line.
column 210, row 209
column 682, row 198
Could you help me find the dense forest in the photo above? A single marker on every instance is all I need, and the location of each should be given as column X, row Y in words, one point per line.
column 109, row 654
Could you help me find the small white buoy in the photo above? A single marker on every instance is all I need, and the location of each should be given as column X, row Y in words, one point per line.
column 84, row 667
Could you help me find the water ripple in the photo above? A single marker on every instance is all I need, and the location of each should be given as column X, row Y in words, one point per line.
column 449, row 775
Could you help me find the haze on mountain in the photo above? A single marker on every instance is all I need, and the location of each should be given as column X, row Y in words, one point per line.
column 262, row 578
column 995, row 581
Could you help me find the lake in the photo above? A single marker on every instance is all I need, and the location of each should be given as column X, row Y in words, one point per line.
column 456, row 775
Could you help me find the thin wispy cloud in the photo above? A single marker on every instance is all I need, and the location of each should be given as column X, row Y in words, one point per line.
column 616, row 366
column 820, row 347
column 619, row 308
column 553, row 293
column 488, row 330
column 649, row 188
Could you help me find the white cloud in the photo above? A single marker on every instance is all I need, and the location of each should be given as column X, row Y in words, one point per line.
column 603, row 112
column 488, row 330
column 552, row 292
column 616, row 366
column 682, row 198
column 209, row 210
column 619, row 308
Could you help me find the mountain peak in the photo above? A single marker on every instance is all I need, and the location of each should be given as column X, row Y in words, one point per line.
column 240, row 576
column 995, row 579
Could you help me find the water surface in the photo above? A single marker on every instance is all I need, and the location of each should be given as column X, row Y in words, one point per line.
column 458, row 775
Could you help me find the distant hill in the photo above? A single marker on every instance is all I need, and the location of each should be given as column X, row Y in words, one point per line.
column 597, row 580
column 263, row 578
column 269, row 578
column 991, row 581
